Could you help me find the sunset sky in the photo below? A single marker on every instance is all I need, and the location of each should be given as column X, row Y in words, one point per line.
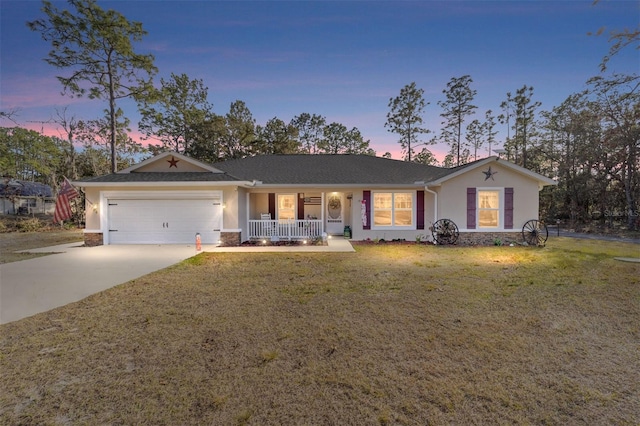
column 343, row 60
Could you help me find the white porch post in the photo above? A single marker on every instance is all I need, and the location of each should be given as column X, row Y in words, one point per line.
column 322, row 212
column 248, row 211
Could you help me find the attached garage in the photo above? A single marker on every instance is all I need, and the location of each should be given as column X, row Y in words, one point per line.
column 167, row 199
column 166, row 220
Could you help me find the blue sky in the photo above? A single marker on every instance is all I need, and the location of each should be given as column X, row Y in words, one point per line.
column 339, row 59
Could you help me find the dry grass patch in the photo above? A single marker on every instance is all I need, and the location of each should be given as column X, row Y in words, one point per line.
column 10, row 242
column 387, row 335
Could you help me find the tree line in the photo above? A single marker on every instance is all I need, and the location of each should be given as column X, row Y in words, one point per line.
column 589, row 143
column 178, row 117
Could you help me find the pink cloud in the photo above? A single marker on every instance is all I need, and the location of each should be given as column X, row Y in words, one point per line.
column 24, row 92
column 52, row 129
column 30, row 92
column 47, row 129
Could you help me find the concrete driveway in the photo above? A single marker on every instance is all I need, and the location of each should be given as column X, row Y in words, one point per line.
column 75, row 272
column 37, row 285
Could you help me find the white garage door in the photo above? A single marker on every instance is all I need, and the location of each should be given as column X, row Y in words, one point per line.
column 164, row 221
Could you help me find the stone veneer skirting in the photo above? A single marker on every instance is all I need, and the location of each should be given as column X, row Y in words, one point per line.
column 489, row 238
column 230, row 239
column 92, row 239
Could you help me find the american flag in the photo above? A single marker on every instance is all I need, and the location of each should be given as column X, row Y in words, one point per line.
column 63, row 206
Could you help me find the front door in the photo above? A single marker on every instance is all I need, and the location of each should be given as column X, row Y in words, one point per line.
column 335, row 213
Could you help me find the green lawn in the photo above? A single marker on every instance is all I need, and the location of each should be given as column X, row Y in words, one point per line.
column 406, row 334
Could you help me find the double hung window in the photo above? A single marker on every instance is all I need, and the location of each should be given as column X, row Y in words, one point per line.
column 488, row 208
column 393, row 209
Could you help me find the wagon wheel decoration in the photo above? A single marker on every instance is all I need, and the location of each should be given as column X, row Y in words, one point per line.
column 535, row 233
column 445, row 231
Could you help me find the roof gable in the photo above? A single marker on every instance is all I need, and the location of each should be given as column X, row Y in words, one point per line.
column 170, row 162
column 486, row 162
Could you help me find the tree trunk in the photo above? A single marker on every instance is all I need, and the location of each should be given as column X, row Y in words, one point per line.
column 112, row 118
column 632, row 213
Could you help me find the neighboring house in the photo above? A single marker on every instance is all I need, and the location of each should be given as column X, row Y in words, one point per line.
column 169, row 198
column 23, row 197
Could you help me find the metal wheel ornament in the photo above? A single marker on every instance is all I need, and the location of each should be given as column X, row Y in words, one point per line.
column 445, row 231
column 535, row 233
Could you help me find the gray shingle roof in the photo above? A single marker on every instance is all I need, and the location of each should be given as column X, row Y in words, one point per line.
column 330, row 169
column 24, row 188
column 299, row 169
column 162, row 177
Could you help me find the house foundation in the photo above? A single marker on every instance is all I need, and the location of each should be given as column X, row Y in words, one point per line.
column 489, row 238
column 93, row 239
column 230, row 239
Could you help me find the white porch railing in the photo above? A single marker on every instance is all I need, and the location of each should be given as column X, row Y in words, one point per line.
column 290, row 229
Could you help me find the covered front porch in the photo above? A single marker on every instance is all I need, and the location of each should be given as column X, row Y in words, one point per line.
column 285, row 229
column 298, row 216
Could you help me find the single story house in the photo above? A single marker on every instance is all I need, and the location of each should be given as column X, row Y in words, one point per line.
column 24, row 197
column 169, row 198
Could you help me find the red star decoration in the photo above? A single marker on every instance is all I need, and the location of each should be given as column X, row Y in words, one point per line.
column 173, row 162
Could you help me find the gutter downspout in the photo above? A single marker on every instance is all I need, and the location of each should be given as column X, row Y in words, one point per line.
column 435, row 203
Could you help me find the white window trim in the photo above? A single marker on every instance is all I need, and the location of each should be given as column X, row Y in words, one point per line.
column 500, row 226
column 392, row 227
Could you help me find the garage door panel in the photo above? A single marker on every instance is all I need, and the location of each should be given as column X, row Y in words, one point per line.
column 133, row 237
column 164, row 221
column 134, row 216
column 197, row 216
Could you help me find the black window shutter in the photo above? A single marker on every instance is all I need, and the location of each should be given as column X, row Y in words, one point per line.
column 508, row 208
column 272, row 205
column 366, row 197
column 300, row 206
column 471, row 208
column 420, row 210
